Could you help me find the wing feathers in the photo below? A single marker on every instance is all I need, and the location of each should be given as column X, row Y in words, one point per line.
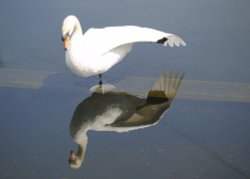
column 111, row 37
column 173, row 40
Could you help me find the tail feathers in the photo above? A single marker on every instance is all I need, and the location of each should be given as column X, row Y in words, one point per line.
column 166, row 87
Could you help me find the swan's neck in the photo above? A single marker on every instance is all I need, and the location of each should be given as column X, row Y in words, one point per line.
column 82, row 141
column 77, row 28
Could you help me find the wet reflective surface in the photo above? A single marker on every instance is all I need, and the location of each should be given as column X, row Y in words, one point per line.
column 205, row 132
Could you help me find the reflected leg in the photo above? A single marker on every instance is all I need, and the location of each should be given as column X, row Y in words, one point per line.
column 100, row 79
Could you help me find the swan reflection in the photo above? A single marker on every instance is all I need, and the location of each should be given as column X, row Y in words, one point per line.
column 121, row 112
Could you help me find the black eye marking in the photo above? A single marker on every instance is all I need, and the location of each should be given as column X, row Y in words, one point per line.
column 66, row 35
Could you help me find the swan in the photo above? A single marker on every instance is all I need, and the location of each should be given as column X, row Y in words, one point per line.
column 98, row 49
column 121, row 112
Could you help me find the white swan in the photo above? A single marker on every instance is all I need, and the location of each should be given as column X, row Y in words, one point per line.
column 97, row 50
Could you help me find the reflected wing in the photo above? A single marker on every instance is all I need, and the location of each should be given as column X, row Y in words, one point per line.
column 147, row 115
column 158, row 100
column 167, row 85
column 109, row 38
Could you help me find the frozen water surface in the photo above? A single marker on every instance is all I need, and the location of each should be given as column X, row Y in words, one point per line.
column 204, row 133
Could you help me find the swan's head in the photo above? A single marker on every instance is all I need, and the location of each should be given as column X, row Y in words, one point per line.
column 74, row 161
column 70, row 26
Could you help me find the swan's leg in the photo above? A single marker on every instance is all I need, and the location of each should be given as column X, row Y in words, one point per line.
column 100, row 79
column 101, row 88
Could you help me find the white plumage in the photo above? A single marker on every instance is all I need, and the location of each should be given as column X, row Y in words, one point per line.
column 97, row 50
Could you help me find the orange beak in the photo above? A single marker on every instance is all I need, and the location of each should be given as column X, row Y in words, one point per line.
column 66, row 42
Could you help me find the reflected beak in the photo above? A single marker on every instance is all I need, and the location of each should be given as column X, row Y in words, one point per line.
column 66, row 42
column 73, row 156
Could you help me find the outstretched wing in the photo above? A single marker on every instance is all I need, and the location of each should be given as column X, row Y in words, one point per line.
column 110, row 38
